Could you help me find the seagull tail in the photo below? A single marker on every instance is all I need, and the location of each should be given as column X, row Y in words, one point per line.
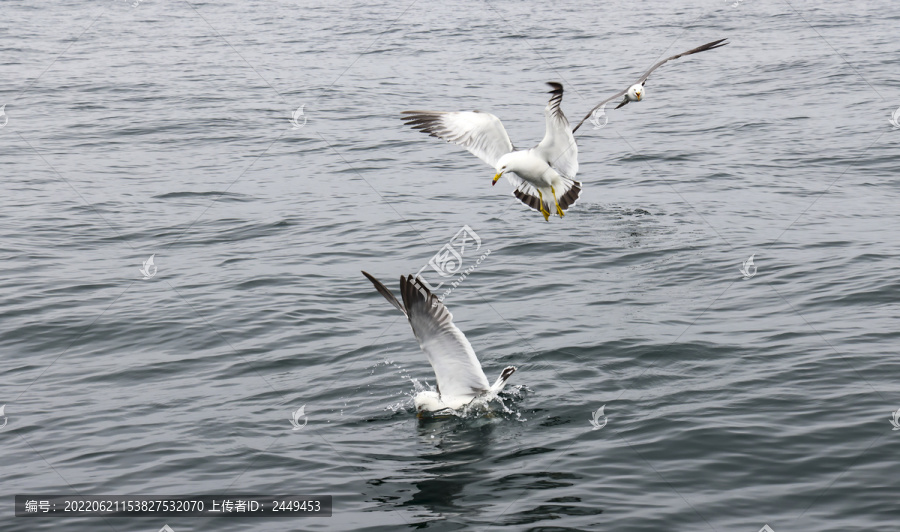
column 569, row 194
column 528, row 195
column 566, row 196
column 501, row 380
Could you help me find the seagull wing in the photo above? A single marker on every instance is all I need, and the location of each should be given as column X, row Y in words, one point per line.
column 455, row 365
column 481, row 133
column 702, row 48
column 615, row 96
column 708, row 46
column 558, row 146
column 451, row 355
column 385, row 291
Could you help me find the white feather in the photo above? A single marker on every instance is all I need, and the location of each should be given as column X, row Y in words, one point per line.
column 481, row 133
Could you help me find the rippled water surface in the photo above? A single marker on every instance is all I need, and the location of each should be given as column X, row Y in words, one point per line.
column 164, row 128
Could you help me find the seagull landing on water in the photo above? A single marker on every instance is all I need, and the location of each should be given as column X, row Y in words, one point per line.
column 460, row 378
column 635, row 93
column 541, row 174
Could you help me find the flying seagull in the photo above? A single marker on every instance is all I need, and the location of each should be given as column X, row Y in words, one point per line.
column 635, row 93
column 460, row 378
column 540, row 174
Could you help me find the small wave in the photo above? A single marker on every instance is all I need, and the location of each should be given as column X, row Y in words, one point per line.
column 222, row 196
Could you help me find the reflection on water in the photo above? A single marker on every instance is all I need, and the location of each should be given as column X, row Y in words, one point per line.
column 452, row 456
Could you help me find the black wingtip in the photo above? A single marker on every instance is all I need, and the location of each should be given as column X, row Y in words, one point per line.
column 384, row 291
column 419, row 285
column 504, row 376
column 557, row 87
column 704, row 47
column 716, row 44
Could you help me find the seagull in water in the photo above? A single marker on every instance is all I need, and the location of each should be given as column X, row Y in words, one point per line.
column 460, row 378
column 541, row 174
column 635, row 93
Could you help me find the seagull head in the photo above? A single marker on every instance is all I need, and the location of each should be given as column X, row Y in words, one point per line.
column 498, row 175
column 503, row 166
column 635, row 92
column 428, row 402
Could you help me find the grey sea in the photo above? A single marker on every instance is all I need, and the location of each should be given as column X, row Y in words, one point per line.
column 254, row 150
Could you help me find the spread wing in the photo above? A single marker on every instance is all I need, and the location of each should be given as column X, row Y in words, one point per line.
column 455, row 365
column 702, row 48
column 481, row 133
column 384, row 291
column 615, row 96
column 558, row 146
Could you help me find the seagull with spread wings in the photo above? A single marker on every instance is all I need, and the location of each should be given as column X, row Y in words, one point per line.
column 541, row 174
column 635, row 93
column 460, row 378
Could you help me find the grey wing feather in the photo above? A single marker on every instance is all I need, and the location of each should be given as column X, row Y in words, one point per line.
column 701, row 48
column 383, row 290
column 455, row 365
column 481, row 133
column 598, row 106
column 558, row 147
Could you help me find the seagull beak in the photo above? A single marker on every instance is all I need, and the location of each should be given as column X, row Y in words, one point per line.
column 496, row 177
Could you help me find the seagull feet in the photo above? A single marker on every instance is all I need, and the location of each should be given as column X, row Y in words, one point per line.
column 555, row 201
column 559, row 211
column 544, row 211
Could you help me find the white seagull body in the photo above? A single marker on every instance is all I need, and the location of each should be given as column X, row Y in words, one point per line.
column 635, row 92
column 460, row 378
column 541, row 174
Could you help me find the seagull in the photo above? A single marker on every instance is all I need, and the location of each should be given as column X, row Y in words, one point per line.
column 540, row 174
column 460, row 378
column 635, row 93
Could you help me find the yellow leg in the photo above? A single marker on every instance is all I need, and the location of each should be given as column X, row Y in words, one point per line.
column 545, row 212
column 558, row 210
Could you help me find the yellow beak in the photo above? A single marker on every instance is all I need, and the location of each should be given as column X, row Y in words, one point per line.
column 496, row 177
